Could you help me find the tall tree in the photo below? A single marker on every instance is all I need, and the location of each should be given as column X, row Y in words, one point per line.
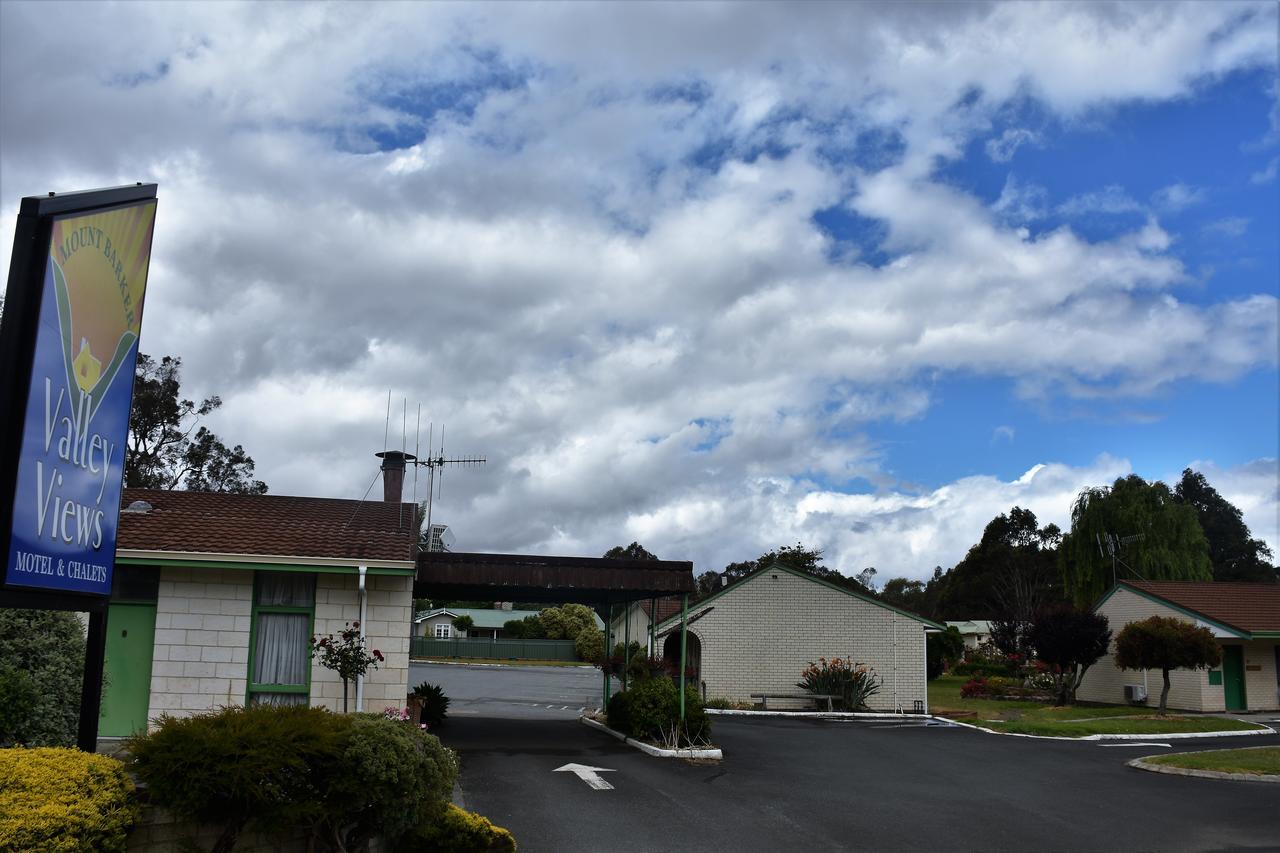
column 163, row 453
column 1234, row 553
column 906, row 594
column 1166, row 643
column 634, row 551
column 1170, row 543
column 1009, row 575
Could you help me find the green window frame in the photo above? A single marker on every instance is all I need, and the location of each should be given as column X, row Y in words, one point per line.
column 258, row 610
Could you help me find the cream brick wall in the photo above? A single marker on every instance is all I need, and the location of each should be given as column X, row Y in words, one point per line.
column 388, row 615
column 200, row 660
column 1261, row 690
column 1189, row 690
column 201, row 654
column 760, row 635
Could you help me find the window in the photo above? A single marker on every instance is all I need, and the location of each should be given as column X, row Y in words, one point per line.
column 280, row 638
column 443, row 631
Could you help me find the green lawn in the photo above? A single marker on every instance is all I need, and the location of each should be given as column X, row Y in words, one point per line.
column 1260, row 761
column 1017, row 716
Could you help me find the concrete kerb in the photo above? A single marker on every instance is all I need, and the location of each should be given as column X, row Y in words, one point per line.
column 1144, row 764
column 823, row 715
column 658, row 752
column 1265, row 730
column 434, row 662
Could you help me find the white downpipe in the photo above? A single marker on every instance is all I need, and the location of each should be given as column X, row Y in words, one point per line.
column 363, row 570
column 926, row 672
column 893, row 614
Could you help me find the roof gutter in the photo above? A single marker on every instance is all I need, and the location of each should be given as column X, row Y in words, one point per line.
column 376, row 567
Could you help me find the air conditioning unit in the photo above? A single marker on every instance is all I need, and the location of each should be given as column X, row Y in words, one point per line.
column 1135, row 693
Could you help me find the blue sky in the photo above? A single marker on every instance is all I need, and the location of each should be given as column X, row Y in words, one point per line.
column 713, row 277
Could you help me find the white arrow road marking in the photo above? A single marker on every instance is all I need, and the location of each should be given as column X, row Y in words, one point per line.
column 588, row 775
column 1165, row 745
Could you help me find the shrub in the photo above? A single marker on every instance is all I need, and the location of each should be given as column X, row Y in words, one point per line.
column 616, row 713
column 589, row 644
column 853, row 683
column 942, row 649
column 390, row 778
column 435, row 705
column 264, row 764
column 64, row 801
column 457, row 831
column 47, row 647
column 986, row 670
column 973, row 687
column 651, row 710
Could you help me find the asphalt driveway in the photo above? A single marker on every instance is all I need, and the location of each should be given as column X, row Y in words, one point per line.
column 796, row 784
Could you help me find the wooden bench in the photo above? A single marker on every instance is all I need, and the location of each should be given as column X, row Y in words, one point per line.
column 814, row 697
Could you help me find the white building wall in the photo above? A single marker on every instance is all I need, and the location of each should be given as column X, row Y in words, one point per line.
column 639, row 625
column 1189, row 690
column 389, row 609
column 201, row 653
column 760, row 636
column 427, row 628
column 1261, row 690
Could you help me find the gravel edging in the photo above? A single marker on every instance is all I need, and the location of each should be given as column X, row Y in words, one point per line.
column 715, row 754
column 1265, row 730
column 1144, row 764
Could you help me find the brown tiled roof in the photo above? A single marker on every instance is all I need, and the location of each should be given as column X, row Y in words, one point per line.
column 667, row 607
column 267, row 525
column 1251, row 607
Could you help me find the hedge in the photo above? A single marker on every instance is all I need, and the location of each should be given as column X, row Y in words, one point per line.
column 59, row 800
column 457, row 831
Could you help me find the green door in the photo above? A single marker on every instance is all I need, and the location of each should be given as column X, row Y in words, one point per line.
column 1233, row 678
column 131, row 634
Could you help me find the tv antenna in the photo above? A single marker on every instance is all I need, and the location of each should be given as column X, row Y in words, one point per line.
column 1110, row 545
column 437, row 460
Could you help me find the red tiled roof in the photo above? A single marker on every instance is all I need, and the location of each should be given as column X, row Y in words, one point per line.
column 267, row 525
column 1250, row 607
column 667, row 607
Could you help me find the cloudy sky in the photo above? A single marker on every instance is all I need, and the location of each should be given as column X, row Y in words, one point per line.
column 714, row 277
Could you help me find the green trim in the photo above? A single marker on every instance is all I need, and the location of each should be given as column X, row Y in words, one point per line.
column 251, row 686
column 261, row 567
column 805, row 576
column 1265, row 635
column 1150, row 596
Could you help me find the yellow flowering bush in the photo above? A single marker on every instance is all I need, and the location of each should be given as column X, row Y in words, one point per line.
column 63, row 801
column 455, row 830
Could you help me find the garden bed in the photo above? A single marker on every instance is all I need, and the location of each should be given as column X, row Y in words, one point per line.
column 713, row 753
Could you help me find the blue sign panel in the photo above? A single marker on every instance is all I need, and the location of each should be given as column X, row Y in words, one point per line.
column 76, row 424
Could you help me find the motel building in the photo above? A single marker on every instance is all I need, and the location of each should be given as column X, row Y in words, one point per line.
column 215, row 598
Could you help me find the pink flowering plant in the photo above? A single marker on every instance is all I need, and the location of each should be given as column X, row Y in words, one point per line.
column 346, row 655
column 854, row 683
column 400, row 715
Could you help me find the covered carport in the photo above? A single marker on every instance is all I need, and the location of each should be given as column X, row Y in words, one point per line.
column 602, row 583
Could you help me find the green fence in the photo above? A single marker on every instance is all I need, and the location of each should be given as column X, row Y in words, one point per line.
column 480, row 647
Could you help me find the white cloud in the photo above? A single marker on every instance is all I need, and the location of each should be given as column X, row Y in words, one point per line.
column 1177, row 197
column 592, row 253
column 1267, row 175
column 1002, row 433
column 1109, row 200
column 1232, row 226
column 1002, row 148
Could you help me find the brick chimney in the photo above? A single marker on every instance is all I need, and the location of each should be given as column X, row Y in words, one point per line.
column 393, row 462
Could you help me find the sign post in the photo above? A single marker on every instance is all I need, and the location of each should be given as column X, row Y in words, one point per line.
column 69, row 343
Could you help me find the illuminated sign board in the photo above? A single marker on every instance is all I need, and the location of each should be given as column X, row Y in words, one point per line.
column 73, row 413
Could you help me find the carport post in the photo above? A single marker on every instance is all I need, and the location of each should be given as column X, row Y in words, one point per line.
column 684, row 642
column 626, row 645
column 608, row 655
column 653, row 627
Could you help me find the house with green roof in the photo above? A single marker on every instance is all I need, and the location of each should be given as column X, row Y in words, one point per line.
column 758, row 634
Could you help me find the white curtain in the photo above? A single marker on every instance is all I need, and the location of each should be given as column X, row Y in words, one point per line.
column 280, row 656
column 286, row 589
